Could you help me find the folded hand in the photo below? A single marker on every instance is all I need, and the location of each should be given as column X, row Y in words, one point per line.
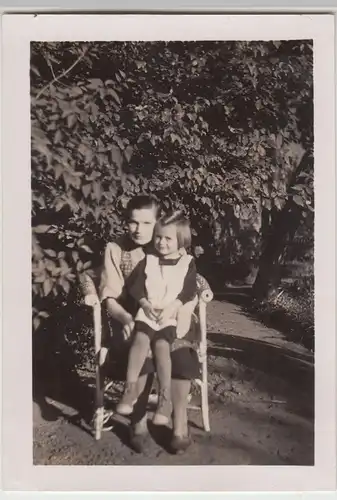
column 149, row 311
column 169, row 312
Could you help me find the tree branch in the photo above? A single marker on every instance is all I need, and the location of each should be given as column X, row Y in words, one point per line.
column 57, row 78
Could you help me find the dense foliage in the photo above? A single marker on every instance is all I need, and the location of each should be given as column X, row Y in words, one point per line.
column 222, row 129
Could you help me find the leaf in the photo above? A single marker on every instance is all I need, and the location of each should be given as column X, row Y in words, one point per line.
column 198, row 251
column 133, row 180
column 71, row 120
column 58, row 136
column 119, row 141
column 87, row 249
column 298, row 200
column 237, row 194
column 140, row 64
column 261, row 150
column 95, row 83
column 83, row 149
column 206, row 201
column 47, row 286
column 267, row 204
column 42, row 228
column 116, row 156
column 299, row 187
column 75, row 256
column 43, row 314
column 175, row 137
column 198, row 178
column 59, row 205
column 97, row 190
column 128, row 153
column 86, row 189
column 65, row 285
column 58, row 171
column 36, row 323
column 76, row 91
column 115, row 95
column 35, row 70
column 50, row 252
column 277, row 203
column 265, row 190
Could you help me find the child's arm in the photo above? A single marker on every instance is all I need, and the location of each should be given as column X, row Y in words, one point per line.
column 189, row 289
column 137, row 290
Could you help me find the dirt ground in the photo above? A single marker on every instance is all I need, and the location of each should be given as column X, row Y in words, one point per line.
column 261, row 389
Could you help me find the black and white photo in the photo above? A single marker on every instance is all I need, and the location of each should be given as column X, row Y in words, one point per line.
column 174, row 205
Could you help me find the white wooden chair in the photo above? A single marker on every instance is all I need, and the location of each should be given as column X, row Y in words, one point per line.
column 91, row 299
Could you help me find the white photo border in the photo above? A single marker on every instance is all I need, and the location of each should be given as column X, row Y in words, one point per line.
column 19, row 473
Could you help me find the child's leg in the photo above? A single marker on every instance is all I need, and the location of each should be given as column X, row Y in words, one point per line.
column 163, row 365
column 137, row 355
column 162, row 358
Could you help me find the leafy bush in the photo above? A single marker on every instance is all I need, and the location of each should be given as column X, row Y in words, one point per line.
column 216, row 128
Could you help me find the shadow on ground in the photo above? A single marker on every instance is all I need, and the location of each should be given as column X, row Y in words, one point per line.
column 292, row 330
column 55, row 375
column 294, row 372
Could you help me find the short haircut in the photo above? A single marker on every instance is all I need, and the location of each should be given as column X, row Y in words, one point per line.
column 142, row 201
column 184, row 236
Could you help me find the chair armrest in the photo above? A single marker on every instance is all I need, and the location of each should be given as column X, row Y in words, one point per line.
column 204, row 290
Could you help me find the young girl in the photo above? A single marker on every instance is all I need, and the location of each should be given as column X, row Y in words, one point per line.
column 164, row 277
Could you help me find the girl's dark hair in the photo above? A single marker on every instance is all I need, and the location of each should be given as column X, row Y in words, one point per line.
column 142, row 201
column 184, row 236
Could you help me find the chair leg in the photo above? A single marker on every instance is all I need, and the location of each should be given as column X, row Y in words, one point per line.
column 204, row 407
column 99, row 412
column 99, row 417
column 203, row 349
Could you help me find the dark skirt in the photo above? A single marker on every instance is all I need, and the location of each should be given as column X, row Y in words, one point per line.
column 185, row 364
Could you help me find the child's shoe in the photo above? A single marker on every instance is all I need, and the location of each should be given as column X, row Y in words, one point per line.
column 125, row 406
column 163, row 412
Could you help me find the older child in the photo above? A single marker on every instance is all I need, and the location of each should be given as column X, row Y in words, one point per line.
column 164, row 280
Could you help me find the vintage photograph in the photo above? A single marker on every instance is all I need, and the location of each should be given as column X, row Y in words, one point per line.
column 173, row 278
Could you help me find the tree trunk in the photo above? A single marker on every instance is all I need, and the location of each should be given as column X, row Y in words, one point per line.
column 281, row 230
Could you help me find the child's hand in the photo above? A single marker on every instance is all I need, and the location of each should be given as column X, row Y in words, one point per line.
column 150, row 312
column 170, row 312
column 148, row 309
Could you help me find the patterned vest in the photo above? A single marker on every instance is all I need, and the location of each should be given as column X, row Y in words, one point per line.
column 126, row 263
